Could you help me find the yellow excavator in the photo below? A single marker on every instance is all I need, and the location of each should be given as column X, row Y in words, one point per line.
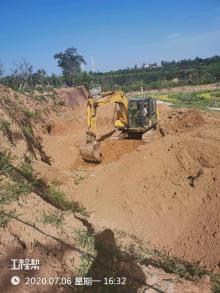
column 133, row 117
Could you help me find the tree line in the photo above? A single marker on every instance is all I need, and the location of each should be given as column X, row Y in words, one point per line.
column 169, row 73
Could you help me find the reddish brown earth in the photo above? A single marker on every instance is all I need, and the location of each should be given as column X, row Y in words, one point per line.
column 163, row 190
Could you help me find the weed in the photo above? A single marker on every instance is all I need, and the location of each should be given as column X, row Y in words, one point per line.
column 5, row 126
column 27, row 171
column 5, row 218
column 55, row 218
column 35, row 244
column 29, row 114
column 156, row 258
column 60, row 103
column 87, row 241
column 20, row 188
column 25, row 181
column 5, row 163
column 40, row 89
column 27, row 131
column 215, row 279
column 40, row 98
column 58, row 198
column 85, row 264
column 79, row 179
column 11, row 191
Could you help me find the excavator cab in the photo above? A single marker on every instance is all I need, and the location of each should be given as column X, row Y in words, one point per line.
column 142, row 115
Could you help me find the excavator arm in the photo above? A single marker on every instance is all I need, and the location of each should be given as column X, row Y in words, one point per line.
column 91, row 150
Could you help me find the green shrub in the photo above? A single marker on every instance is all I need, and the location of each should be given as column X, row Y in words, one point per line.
column 54, row 218
column 29, row 114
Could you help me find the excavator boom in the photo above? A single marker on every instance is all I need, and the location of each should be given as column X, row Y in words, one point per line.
column 90, row 152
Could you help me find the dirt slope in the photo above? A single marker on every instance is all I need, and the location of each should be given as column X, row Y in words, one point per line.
column 165, row 191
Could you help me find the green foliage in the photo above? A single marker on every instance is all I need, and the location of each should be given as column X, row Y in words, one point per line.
column 27, row 131
column 5, row 218
column 40, row 98
column 59, row 200
column 215, row 278
column 169, row 74
column 5, row 126
column 27, row 171
column 29, row 114
column 83, row 78
column 54, row 218
column 188, row 98
column 5, row 163
column 85, row 240
column 70, row 63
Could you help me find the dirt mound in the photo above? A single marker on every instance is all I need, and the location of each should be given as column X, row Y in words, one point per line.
column 181, row 121
column 190, row 118
column 73, row 96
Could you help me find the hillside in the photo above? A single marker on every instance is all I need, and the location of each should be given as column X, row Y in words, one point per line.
column 168, row 74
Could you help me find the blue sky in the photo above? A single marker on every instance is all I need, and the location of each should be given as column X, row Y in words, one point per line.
column 118, row 33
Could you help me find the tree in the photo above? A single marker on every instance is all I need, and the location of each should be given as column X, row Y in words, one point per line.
column 70, row 62
column 22, row 75
column 40, row 77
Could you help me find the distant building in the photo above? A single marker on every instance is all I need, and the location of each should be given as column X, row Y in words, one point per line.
column 151, row 65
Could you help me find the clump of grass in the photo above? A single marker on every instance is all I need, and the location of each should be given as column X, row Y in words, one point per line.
column 11, row 191
column 54, row 218
column 5, row 163
column 40, row 98
column 25, row 181
column 27, row 171
column 5, row 126
column 29, row 114
column 215, row 279
column 79, row 179
column 58, row 198
column 87, row 241
column 5, row 218
column 27, row 131
column 156, row 258
column 40, row 89
column 85, row 264
column 59, row 103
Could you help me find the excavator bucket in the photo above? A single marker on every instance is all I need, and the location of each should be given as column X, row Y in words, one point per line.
column 90, row 152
